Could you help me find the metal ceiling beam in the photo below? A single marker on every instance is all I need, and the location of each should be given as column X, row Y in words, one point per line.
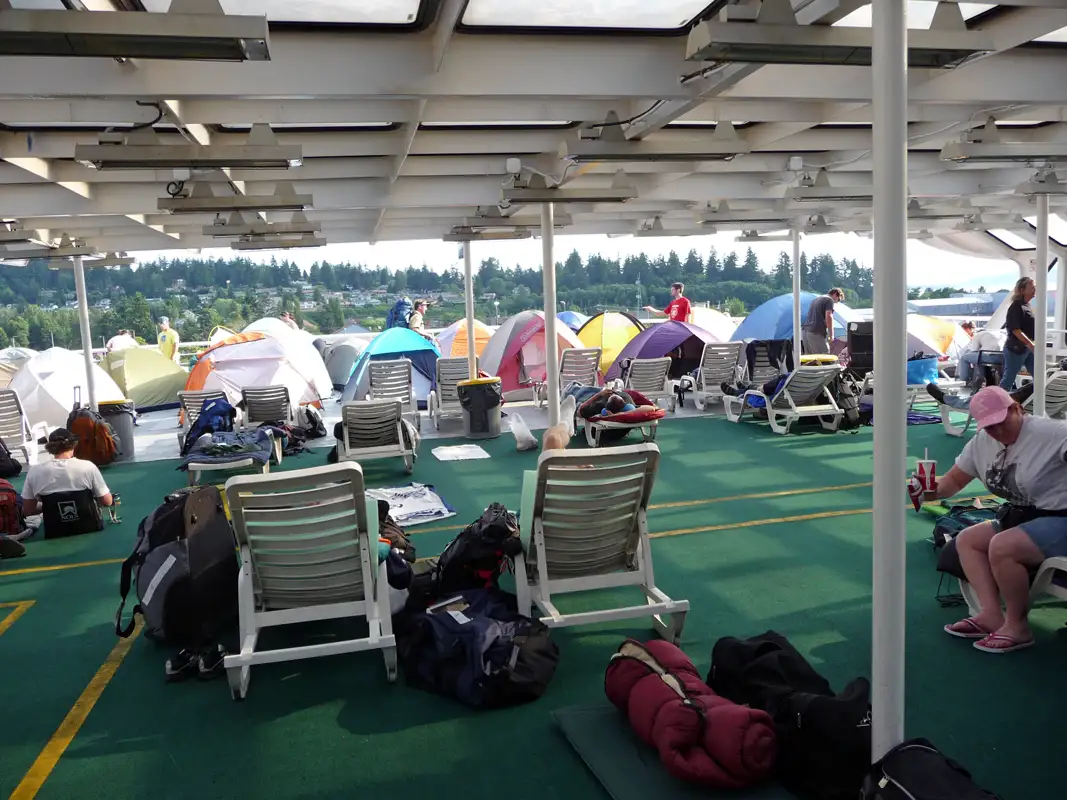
column 411, row 129
column 441, row 34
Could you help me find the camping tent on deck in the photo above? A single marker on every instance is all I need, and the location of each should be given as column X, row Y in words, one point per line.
column 932, row 335
column 395, row 343
column 146, row 376
column 716, row 323
column 353, row 327
column 12, row 360
column 682, row 341
column 773, row 320
column 516, row 352
column 610, row 331
column 220, row 334
column 255, row 359
column 300, row 345
column 341, row 358
column 46, row 385
column 453, row 339
column 572, row 319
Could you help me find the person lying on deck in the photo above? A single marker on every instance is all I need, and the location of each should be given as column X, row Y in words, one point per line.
column 962, row 402
column 1022, row 459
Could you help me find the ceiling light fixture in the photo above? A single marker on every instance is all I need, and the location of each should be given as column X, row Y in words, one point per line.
column 819, row 190
column 986, row 145
column 609, row 143
column 192, row 30
column 620, row 191
column 202, row 200
column 271, row 243
column 142, row 149
column 237, row 226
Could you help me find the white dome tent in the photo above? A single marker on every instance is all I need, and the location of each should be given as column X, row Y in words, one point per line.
column 300, row 346
column 46, row 386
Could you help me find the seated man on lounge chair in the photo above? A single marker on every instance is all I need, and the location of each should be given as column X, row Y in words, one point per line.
column 962, row 402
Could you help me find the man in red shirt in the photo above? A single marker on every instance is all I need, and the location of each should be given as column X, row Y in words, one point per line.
column 678, row 309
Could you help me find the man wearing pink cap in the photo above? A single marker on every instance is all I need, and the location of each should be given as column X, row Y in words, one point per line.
column 1023, row 460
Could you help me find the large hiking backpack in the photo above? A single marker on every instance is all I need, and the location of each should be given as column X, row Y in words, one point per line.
column 916, row 770
column 400, row 312
column 11, row 521
column 216, row 415
column 824, row 739
column 847, row 395
column 477, row 648
column 473, row 560
column 9, row 467
column 185, row 570
column 313, row 423
column 97, row 441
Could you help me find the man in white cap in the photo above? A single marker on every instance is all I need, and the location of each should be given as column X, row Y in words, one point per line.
column 168, row 339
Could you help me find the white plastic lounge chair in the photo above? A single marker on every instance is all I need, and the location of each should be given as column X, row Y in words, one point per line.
column 15, row 428
column 391, row 380
column 308, row 553
column 805, row 393
column 576, row 365
column 719, row 363
column 191, row 402
column 266, row 404
column 373, row 429
column 444, row 399
column 584, row 527
column 1055, row 405
column 1051, row 579
column 649, row 377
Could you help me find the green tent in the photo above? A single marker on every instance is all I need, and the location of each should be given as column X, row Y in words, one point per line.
column 147, row 377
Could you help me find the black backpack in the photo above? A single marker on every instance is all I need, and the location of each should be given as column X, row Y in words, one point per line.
column 847, row 395
column 824, row 739
column 9, row 467
column 476, row 647
column 473, row 560
column 185, row 569
column 916, row 770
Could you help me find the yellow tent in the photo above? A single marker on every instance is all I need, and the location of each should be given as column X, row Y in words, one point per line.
column 453, row 339
column 145, row 376
column 610, row 331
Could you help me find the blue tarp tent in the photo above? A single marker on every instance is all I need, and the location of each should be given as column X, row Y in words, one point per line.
column 572, row 319
column 391, row 344
column 774, row 319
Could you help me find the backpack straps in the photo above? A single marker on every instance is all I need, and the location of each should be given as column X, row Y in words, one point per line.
column 125, row 582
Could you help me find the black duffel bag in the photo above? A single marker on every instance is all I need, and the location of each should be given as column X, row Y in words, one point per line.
column 916, row 770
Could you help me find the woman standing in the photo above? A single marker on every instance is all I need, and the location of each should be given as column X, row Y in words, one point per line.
column 1019, row 346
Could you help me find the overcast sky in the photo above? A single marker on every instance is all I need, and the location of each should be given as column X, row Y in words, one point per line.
column 927, row 266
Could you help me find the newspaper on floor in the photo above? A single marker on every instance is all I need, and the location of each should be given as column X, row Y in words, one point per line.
column 460, row 452
column 414, row 504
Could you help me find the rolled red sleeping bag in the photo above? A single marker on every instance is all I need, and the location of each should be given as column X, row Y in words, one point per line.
column 701, row 737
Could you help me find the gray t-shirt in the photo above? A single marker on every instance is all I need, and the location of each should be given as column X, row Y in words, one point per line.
column 1030, row 472
column 816, row 321
column 64, row 475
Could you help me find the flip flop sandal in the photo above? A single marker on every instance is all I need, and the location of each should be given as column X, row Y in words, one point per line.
column 973, row 631
column 1014, row 645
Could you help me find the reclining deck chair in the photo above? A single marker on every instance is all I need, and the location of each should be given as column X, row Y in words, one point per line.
column 308, row 553
column 266, row 404
column 584, row 527
column 649, row 377
column 373, row 429
column 391, row 380
column 805, row 393
column 1055, row 404
column 444, row 399
column 719, row 363
column 15, row 428
column 576, row 365
column 190, row 403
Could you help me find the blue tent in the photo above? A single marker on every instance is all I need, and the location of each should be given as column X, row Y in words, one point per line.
column 353, row 327
column 774, row 319
column 391, row 344
column 572, row 319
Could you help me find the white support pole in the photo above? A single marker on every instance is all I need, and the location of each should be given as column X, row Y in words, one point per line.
column 551, row 342
column 468, row 296
column 87, row 338
column 797, row 277
column 1059, row 341
column 1041, row 310
column 889, row 74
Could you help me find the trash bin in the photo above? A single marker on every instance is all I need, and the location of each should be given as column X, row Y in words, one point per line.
column 480, row 399
column 119, row 415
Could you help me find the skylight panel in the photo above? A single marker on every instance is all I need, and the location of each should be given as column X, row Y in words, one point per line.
column 1012, row 240
column 920, row 13
column 1056, row 36
column 1057, row 228
column 365, row 12
column 38, row 5
column 634, row 14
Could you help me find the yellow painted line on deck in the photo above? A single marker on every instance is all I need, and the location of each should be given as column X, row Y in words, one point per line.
column 20, row 607
column 760, row 495
column 727, row 526
column 58, row 567
column 46, row 761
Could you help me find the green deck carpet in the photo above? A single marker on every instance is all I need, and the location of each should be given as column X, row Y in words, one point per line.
column 334, row 728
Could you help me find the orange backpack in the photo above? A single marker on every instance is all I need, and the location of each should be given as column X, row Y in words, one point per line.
column 96, row 439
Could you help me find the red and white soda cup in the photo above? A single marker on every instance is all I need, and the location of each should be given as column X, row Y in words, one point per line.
column 926, row 472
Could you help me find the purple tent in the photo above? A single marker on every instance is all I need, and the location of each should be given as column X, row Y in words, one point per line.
column 682, row 341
